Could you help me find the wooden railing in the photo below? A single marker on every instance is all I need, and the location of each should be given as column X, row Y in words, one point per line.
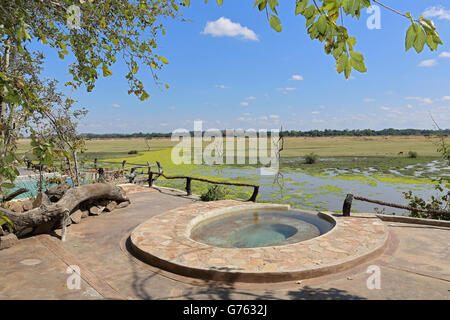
column 152, row 176
column 348, row 205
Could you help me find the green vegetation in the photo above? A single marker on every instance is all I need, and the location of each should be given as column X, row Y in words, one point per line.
column 214, row 193
column 412, row 154
column 287, row 133
column 5, row 221
column 311, row 158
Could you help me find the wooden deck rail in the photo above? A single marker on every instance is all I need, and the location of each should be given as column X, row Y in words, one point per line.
column 348, row 204
column 152, row 176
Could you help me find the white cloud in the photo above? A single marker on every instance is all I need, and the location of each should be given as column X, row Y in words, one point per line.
column 250, row 98
column 246, row 114
column 446, row 98
column 368, row 100
column 437, row 12
column 385, row 108
column 420, row 99
column 224, row 27
column 296, row 77
column 263, row 118
column 116, row 105
column 444, row 54
column 315, row 112
column 428, row 63
column 274, row 116
column 244, row 103
column 221, row 86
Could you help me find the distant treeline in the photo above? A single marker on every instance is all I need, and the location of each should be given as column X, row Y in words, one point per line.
column 289, row 133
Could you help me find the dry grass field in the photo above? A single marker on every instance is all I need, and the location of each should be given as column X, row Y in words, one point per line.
column 388, row 146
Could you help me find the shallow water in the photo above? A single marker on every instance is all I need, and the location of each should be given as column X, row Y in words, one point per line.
column 260, row 229
column 328, row 190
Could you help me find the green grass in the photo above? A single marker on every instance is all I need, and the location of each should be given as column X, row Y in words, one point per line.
column 384, row 146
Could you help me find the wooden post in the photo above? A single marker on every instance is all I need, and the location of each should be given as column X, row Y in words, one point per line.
column 101, row 175
column 347, row 205
column 255, row 194
column 188, row 186
column 123, row 164
column 150, row 174
column 95, row 163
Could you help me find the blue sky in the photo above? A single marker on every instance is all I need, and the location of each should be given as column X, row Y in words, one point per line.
column 236, row 72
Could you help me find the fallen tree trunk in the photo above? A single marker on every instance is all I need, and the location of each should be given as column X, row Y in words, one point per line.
column 45, row 217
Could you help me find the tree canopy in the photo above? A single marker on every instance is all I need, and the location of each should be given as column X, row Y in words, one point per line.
column 324, row 22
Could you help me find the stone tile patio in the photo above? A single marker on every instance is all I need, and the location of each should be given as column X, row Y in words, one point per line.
column 414, row 265
column 164, row 241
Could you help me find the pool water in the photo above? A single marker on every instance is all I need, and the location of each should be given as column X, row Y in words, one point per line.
column 252, row 229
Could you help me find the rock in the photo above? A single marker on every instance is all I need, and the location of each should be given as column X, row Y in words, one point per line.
column 41, row 199
column 96, row 210
column 27, row 205
column 1, row 231
column 123, row 204
column 111, row 206
column 8, row 241
column 76, row 216
column 84, row 213
column 56, row 193
column 15, row 206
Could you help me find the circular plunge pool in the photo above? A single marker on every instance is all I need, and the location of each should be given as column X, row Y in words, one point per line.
column 260, row 228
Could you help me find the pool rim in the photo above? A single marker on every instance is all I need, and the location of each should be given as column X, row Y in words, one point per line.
column 215, row 214
column 203, row 269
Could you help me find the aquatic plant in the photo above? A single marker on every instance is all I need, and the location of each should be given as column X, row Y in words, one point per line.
column 311, row 158
column 412, row 154
column 214, row 193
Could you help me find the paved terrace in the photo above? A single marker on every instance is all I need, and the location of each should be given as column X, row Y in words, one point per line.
column 414, row 265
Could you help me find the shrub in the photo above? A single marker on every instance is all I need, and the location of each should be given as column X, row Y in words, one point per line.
column 132, row 152
column 215, row 192
column 412, row 154
column 6, row 222
column 311, row 158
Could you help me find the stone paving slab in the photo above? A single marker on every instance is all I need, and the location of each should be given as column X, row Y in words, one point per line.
column 410, row 269
column 164, row 241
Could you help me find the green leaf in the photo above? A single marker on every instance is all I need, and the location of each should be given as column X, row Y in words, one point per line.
column 357, row 61
column 144, row 96
column 410, row 37
column 219, row 2
column 348, row 69
column 420, row 41
column 106, row 71
column 300, row 7
column 273, row 5
column 322, row 24
column 275, row 23
column 341, row 63
column 164, row 60
column 187, row 3
column 309, row 12
column 261, row 4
